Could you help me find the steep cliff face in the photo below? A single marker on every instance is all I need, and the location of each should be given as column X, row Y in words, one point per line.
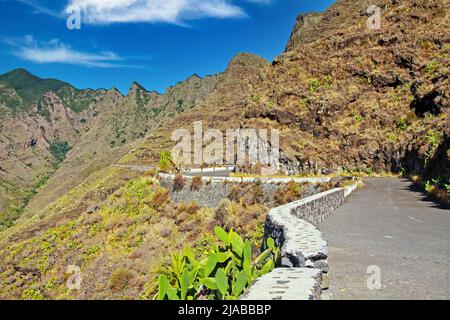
column 346, row 97
column 305, row 29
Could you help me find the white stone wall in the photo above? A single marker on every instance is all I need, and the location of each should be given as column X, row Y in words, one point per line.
column 302, row 272
column 249, row 180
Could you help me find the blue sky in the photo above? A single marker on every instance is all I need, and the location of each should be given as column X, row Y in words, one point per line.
column 154, row 42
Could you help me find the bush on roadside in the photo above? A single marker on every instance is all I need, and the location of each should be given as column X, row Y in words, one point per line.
column 222, row 274
column 196, row 183
column 178, row 182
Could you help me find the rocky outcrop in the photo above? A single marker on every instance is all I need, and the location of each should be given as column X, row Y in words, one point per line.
column 304, row 29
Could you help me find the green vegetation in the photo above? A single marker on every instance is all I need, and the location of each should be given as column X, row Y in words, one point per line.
column 30, row 90
column 180, row 107
column 442, row 182
column 392, row 137
column 425, row 44
column 256, row 97
column 24, row 198
column 314, row 85
column 165, row 160
column 431, row 69
column 141, row 99
column 79, row 105
column 28, row 86
column 222, row 274
column 59, row 150
column 32, row 294
column 43, row 110
column 401, row 124
column 358, row 118
column 433, row 137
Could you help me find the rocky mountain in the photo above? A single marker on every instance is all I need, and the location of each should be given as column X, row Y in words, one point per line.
column 53, row 136
column 346, row 97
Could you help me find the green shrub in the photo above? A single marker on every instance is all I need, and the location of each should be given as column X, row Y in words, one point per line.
column 431, row 69
column 165, row 160
column 314, row 85
column 32, row 294
column 433, row 137
column 222, row 274
column 120, row 279
column 358, row 118
column 401, row 124
column 59, row 150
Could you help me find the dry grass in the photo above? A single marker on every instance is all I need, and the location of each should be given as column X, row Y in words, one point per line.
column 178, row 182
column 196, row 183
column 120, row 280
column 288, row 193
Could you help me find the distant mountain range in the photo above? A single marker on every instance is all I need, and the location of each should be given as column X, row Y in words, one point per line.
column 49, row 129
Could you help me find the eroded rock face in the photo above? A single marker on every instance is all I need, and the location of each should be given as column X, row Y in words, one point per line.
column 304, row 29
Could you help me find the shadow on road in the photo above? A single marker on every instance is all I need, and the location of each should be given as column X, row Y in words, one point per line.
column 425, row 196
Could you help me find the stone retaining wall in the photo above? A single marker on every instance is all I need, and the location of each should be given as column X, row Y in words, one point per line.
column 302, row 272
column 214, row 189
column 252, row 180
column 302, row 247
column 208, row 170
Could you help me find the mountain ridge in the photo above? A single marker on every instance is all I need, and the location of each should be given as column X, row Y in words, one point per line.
column 104, row 121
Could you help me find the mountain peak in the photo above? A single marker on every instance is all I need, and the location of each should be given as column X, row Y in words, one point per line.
column 247, row 59
column 18, row 75
column 135, row 86
column 304, row 29
column 19, row 71
column 29, row 86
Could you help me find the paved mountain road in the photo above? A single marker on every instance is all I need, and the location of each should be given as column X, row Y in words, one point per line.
column 389, row 225
column 141, row 168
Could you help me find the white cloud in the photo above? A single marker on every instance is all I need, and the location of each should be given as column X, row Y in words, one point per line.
column 167, row 11
column 55, row 51
column 150, row 11
column 38, row 7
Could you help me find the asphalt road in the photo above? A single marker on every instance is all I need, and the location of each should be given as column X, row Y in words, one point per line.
column 218, row 173
column 222, row 173
column 389, row 225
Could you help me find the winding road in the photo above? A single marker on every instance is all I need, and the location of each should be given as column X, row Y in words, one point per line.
column 386, row 226
column 391, row 227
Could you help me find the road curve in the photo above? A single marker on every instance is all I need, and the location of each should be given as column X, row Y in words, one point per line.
column 142, row 168
column 390, row 225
